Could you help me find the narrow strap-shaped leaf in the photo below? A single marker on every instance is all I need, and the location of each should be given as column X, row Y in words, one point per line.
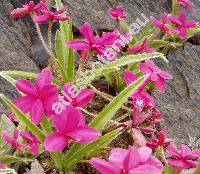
column 20, row 74
column 89, row 76
column 32, row 127
column 109, row 111
column 76, row 154
column 11, row 159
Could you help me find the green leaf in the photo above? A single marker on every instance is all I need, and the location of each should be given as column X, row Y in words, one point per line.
column 11, row 159
column 175, row 7
column 168, row 170
column 77, row 152
column 20, row 74
column 109, row 111
column 89, row 76
column 32, row 127
column 8, row 78
column 65, row 54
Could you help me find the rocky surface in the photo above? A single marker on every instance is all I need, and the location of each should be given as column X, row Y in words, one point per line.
column 181, row 102
column 95, row 11
column 15, row 43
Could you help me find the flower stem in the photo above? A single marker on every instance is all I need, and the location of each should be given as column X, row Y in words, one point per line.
column 42, row 39
column 50, row 36
column 107, row 97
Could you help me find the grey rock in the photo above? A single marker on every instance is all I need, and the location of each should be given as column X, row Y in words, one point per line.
column 181, row 102
column 95, row 11
column 15, row 43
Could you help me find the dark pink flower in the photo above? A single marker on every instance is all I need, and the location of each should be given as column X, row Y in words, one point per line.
column 38, row 98
column 143, row 48
column 161, row 141
column 163, row 24
column 28, row 9
column 185, row 3
column 140, row 96
column 77, row 98
column 132, row 161
column 3, row 166
column 181, row 24
column 183, row 158
column 48, row 15
column 93, row 43
column 70, row 125
column 156, row 74
column 13, row 141
column 117, row 13
column 32, row 142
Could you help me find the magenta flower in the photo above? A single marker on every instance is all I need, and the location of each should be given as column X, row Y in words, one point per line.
column 181, row 24
column 117, row 13
column 185, row 3
column 29, row 9
column 13, row 141
column 77, row 98
column 48, row 15
column 39, row 98
column 183, row 158
column 156, row 74
column 132, row 161
column 140, row 96
column 70, row 125
column 163, row 26
column 161, row 141
column 32, row 142
column 93, row 43
column 3, row 166
column 143, row 48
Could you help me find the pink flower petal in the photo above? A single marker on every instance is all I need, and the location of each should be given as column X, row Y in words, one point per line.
column 160, row 84
column 78, row 45
column 180, row 164
column 134, row 49
column 55, row 142
column 44, row 78
column 24, row 103
column 145, row 169
column 37, row 112
column 3, row 166
column 69, row 115
column 145, row 69
column 105, row 167
column 87, row 31
column 144, row 154
column 48, row 91
column 84, row 97
column 84, row 134
column 139, row 138
column 183, row 16
column 156, row 23
column 182, row 33
column 190, row 24
column 117, row 156
column 129, row 77
column 153, row 161
column 132, row 159
column 42, row 18
column 19, row 12
column 165, row 75
column 26, row 87
column 164, row 18
column 174, row 19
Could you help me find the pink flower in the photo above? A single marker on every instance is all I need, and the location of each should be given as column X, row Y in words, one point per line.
column 93, row 43
column 13, row 141
column 3, row 166
column 70, row 125
column 140, row 96
column 51, row 16
column 32, row 142
column 143, row 48
column 117, row 13
column 185, row 3
column 181, row 24
column 162, row 140
column 163, row 24
column 28, row 9
column 156, row 74
column 77, row 98
column 183, row 158
column 132, row 161
column 39, row 98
